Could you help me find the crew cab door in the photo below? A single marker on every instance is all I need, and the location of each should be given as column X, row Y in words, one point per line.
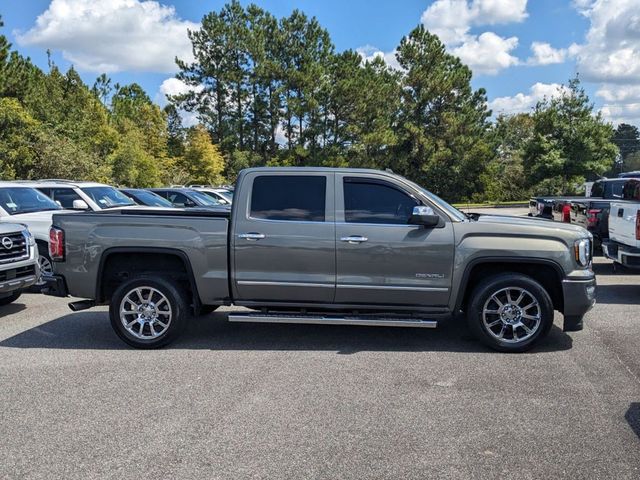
column 283, row 238
column 381, row 259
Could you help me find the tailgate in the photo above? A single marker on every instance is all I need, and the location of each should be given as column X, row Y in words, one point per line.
column 622, row 223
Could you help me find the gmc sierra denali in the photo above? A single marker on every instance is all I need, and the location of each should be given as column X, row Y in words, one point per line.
column 325, row 246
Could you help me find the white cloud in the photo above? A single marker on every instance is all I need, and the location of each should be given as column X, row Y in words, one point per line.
column 611, row 52
column 369, row 52
column 174, row 86
column 621, row 103
column 487, row 53
column 524, row 102
column 113, row 35
column 545, row 54
column 622, row 113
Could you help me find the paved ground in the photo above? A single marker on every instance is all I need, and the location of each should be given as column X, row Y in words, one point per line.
column 272, row 401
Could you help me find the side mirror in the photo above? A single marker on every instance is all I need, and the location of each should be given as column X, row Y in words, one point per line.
column 425, row 216
column 80, row 205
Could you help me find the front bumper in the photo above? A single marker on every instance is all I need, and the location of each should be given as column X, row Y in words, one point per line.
column 579, row 295
column 18, row 278
column 621, row 253
column 55, row 286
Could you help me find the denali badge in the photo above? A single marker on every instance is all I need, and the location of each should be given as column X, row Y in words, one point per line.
column 429, row 275
column 7, row 243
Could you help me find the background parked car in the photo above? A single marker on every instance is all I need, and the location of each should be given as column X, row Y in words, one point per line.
column 146, row 197
column 186, row 197
column 623, row 246
column 222, row 195
column 83, row 195
column 20, row 203
column 18, row 261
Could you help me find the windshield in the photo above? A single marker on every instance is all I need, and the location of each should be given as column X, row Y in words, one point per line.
column 108, row 197
column 227, row 195
column 218, row 195
column 17, row 200
column 204, row 199
column 150, row 199
column 452, row 211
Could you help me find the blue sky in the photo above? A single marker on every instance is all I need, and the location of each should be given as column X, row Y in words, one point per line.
column 519, row 50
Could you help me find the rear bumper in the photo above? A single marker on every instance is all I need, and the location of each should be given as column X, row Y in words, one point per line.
column 579, row 296
column 55, row 286
column 621, row 253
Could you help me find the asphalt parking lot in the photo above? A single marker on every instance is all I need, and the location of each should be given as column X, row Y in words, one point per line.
column 303, row 401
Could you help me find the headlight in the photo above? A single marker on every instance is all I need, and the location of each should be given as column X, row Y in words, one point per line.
column 582, row 249
column 27, row 234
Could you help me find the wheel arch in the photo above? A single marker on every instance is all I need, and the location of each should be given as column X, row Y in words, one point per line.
column 175, row 262
column 546, row 272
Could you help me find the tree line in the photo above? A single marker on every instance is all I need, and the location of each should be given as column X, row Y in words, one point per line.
column 274, row 91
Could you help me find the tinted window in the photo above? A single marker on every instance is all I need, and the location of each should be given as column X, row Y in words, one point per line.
column 180, row 200
column 16, row 200
column 376, row 202
column 64, row 196
column 631, row 190
column 597, row 189
column 289, row 197
column 108, row 197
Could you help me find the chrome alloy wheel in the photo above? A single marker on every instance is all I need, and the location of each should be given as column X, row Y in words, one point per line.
column 512, row 315
column 46, row 268
column 145, row 313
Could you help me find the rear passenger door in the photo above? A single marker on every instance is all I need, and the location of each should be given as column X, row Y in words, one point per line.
column 284, row 238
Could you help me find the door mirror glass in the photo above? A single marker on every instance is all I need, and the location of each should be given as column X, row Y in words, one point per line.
column 80, row 205
column 425, row 216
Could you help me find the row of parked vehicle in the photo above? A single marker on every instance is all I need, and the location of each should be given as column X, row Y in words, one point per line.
column 27, row 207
column 610, row 211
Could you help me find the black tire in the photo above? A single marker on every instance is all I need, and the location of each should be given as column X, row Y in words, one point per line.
column 175, row 298
column 10, row 299
column 497, row 285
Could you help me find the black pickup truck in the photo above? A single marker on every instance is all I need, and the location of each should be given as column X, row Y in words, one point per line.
column 592, row 213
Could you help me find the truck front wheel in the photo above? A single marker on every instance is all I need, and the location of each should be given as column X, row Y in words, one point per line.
column 510, row 312
column 148, row 313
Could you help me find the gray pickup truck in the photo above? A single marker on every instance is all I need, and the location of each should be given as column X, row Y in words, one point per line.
column 325, row 246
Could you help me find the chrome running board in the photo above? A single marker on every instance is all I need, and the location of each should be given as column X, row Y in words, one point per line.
column 371, row 321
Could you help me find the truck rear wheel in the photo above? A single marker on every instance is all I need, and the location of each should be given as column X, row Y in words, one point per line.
column 510, row 312
column 148, row 313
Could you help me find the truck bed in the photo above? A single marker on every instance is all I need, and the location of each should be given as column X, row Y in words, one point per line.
column 93, row 238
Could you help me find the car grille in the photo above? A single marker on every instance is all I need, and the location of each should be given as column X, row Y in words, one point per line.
column 13, row 248
column 17, row 273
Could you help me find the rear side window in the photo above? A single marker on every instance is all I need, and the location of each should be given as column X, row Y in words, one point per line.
column 631, row 190
column 376, row 202
column 289, row 197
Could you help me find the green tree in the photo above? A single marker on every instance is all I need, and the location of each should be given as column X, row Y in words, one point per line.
column 443, row 121
column 131, row 164
column 627, row 139
column 202, row 159
column 570, row 142
column 505, row 178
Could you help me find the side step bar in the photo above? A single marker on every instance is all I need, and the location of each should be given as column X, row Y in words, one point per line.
column 371, row 321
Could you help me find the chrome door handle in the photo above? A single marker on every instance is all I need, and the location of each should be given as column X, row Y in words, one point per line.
column 252, row 236
column 353, row 239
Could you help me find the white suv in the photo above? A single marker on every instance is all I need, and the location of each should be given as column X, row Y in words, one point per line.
column 18, row 261
column 82, row 195
column 21, row 203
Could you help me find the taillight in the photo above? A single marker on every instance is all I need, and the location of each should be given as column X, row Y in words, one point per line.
column 566, row 213
column 592, row 217
column 56, row 244
column 638, row 225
